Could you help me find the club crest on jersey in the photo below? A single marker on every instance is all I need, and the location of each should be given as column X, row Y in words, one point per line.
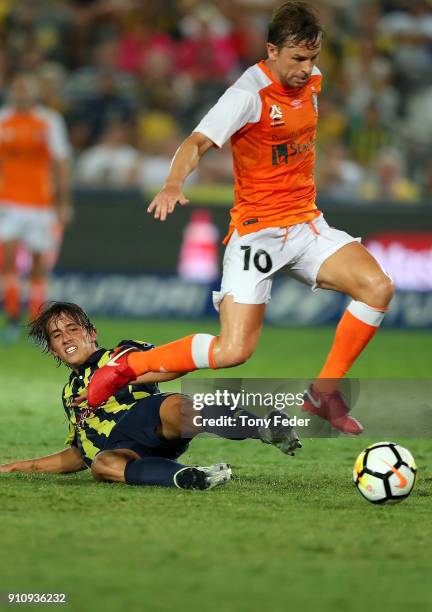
column 276, row 116
column 315, row 102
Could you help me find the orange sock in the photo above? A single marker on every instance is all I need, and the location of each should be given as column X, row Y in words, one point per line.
column 356, row 329
column 12, row 297
column 184, row 355
column 37, row 296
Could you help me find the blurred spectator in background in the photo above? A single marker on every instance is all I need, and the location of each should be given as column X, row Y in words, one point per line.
column 139, row 41
column 367, row 136
column 333, row 121
column 52, row 78
column 159, row 139
column 206, row 52
column 339, row 177
column 114, row 162
column 98, row 94
column 160, row 88
column 369, row 76
column 409, row 30
column 105, row 61
column 34, row 193
column 427, row 184
column 388, row 182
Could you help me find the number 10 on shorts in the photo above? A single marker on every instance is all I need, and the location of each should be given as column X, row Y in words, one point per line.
column 261, row 260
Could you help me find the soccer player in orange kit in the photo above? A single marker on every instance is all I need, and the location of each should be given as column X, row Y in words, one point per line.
column 271, row 115
column 34, row 194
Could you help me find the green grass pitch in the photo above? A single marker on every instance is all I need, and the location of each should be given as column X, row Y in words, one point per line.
column 287, row 534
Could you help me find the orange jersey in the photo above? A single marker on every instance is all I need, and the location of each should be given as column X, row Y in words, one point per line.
column 29, row 141
column 273, row 135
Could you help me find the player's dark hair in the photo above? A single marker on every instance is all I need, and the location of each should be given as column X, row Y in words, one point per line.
column 38, row 328
column 297, row 22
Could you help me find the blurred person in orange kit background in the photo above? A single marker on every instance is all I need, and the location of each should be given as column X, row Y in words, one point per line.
column 35, row 202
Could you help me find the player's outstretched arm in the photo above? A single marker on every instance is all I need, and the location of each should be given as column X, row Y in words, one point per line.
column 67, row 460
column 184, row 162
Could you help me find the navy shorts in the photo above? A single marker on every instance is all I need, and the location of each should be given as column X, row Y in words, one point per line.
column 136, row 431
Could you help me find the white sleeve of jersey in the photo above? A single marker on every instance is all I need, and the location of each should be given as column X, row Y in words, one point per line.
column 232, row 111
column 57, row 139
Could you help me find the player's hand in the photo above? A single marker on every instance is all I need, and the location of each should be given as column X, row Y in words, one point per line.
column 79, row 399
column 165, row 201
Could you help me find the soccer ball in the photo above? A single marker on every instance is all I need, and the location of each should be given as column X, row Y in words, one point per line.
column 385, row 473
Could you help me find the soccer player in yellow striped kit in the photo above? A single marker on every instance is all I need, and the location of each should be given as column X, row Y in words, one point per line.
column 137, row 436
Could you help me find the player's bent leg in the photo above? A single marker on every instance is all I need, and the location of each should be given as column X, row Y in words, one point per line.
column 110, row 465
column 241, row 323
column 351, row 270
column 179, row 419
column 141, row 464
column 163, row 472
column 354, row 271
column 126, row 364
column 124, row 465
column 176, row 415
column 241, row 326
column 240, row 329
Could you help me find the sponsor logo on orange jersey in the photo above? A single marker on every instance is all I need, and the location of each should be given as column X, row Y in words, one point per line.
column 282, row 152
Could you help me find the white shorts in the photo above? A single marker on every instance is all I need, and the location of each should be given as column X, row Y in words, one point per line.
column 251, row 261
column 33, row 226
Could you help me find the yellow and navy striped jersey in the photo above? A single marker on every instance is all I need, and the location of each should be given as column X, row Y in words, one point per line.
column 89, row 429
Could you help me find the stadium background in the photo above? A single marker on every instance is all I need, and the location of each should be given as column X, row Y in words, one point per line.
column 132, row 79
